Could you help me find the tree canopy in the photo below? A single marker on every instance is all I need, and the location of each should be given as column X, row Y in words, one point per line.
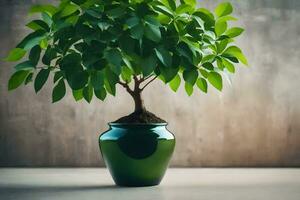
column 92, row 45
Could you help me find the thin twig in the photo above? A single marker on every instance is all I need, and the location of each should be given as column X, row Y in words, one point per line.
column 149, row 82
column 47, row 67
column 135, row 78
column 42, row 67
column 147, row 77
column 126, row 86
column 141, row 78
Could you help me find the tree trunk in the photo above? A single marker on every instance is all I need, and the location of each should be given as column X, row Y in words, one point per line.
column 138, row 101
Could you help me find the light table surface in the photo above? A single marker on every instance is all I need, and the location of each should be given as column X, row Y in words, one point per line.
column 178, row 184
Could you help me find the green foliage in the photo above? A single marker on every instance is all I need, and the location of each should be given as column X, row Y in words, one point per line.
column 189, row 88
column 216, row 80
column 88, row 92
column 92, row 45
column 77, row 94
column 223, row 9
column 202, row 84
column 41, row 79
column 17, row 79
column 175, row 83
column 15, row 55
column 59, row 91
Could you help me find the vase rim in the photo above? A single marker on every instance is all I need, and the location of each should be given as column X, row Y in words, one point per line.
column 137, row 124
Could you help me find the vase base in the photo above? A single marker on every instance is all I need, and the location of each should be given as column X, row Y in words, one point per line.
column 137, row 184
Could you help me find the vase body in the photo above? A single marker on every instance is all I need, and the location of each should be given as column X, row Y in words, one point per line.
column 137, row 154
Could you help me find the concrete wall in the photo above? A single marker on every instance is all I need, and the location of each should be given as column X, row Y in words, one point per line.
column 254, row 122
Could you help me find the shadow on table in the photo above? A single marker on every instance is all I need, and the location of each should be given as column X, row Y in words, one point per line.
column 37, row 188
column 37, row 192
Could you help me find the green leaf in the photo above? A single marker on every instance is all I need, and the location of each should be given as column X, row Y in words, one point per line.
column 114, row 57
column 116, row 12
column 236, row 52
column 88, row 93
column 38, row 25
column 220, row 28
column 50, row 9
column 57, row 75
column 17, row 79
column 204, row 73
column 100, row 93
column 164, row 56
column 78, row 80
column 175, row 83
column 170, row 3
column 228, row 65
column 31, row 40
column 49, row 55
column 126, row 74
column 231, row 58
column 71, row 62
column 202, row 84
column 41, row 79
column 94, row 13
column 190, row 76
column 26, row 65
column 110, row 81
column 220, row 64
column 126, row 60
column 34, row 55
column 47, row 18
column 234, row 32
column 206, row 16
column 97, row 79
column 227, row 18
column 152, row 33
column 223, row 9
column 137, row 31
column 208, row 66
column 68, row 10
column 148, row 65
column 188, row 88
column 151, row 21
column 133, row 21
column 222, row 45
column 216, row 80
column 168, row 73
column 44, row 43
column 184, row 50
column 29, row 78
column 15, row 55
column 242, row 58
column 192, row 3
column 208, row 58
column 77, row 94
column 79, row 2
column 59, row 91
column 232, row 50
column 184, row 8
column 164, row 10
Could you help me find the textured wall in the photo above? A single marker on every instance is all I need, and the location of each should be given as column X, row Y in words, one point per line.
column 255, row 122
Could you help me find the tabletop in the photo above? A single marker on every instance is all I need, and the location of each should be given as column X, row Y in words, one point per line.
column 178, row 183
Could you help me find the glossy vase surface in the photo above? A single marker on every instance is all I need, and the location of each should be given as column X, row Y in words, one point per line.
column 137, row 154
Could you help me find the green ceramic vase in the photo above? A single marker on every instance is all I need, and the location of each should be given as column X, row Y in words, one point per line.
column 137, row 154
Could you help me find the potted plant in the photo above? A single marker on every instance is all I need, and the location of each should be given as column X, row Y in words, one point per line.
column 93, row 45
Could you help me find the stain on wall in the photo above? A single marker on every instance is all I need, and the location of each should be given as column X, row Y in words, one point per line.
column 254, row 122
